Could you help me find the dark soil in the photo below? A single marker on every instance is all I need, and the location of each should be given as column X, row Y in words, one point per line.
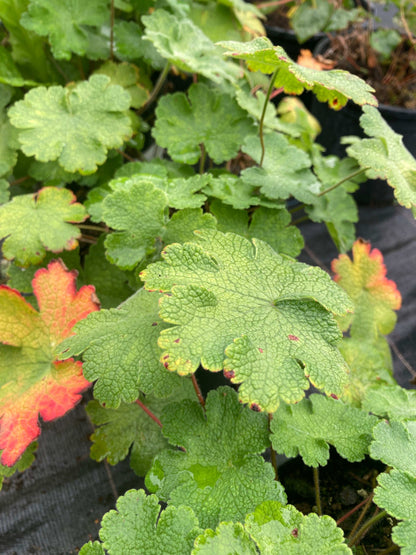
column 343, row 485
column 394, row 82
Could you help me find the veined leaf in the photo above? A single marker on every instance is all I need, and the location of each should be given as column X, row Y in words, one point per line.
column 394, row 403
column 228, row 297
column 75, row 125
column 335, row 86
column 32, row 381
column 395, row 444
column 51, row 212
column 220, row 473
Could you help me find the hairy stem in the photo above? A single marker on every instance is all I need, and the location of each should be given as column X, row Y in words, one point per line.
column 91, row 227
column 273, row 453
column 317, row 491
column 149, row 412
column 367, row 504
column 198, row 391
column 263, row 114
column 366, row 526
column 354, row 174
column 352, row 511
column 203, row 158
column 156, row 89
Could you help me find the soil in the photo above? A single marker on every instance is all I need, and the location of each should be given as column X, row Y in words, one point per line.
column 343, row 485
column 394, row 82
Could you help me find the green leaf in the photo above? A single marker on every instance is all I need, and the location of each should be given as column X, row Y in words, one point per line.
column 127, row 76
column 232, row 190
column 285, row 170
column 311, row 426
column 75, row 125
column 395, row 444
column 138, row 211
column 396, row 493
column 311, row 18
column 264, row 311
column 139, row 526
column 10, row 73
column 206, row 116
column 111, row 284
column 267, row 224
column 385, row 156
column 4, row 191
column 394, row 403
column 335, row 86
column 228, row 538
column 220, row 474
column 281, row 529
column 92, row 548
column 51, row 213
column 129, row 427
column 120, row 351
column 384, row 41
column 184, row 45
column 131, row 47
column 25, row 461
column 72, row 27
column 8, row 145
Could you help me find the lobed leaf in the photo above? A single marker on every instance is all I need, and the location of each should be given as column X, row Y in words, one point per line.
column 228, row 297
column 395, row 444
column 32, row 381
column 394, row 403
column 228, row 538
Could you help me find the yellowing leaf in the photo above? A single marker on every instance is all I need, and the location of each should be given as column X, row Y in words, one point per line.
column 32, row 382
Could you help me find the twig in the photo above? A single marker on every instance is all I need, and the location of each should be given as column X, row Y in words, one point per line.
column 149, row 413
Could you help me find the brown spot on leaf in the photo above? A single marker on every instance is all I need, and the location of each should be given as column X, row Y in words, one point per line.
column 177, row 340
column 294, row 532
column 261, row 350
column 255, row 407
column 154, row 324
column 293, row 337
column 165, row 357
column 229, row 374
column 334, row 396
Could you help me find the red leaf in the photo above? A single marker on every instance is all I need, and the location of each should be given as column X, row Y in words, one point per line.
column 32, row 382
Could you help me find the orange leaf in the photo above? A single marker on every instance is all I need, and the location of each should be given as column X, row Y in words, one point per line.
column 32, row 382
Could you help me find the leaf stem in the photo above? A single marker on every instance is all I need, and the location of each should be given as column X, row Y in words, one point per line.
column 198, row 391
column 300, row 220
column 317, row 491
column 91, row 227
column 126, row 156
column 112, row 30
column 273, row 453
column 203, row 158
column 366, row 526
column 149, row 412
column 352, row 511
column 361, row 170
column 367, row 504
column 156, row 89
column 263, row 114
column 20, row 180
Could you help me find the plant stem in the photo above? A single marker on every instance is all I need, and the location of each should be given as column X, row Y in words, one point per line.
column 366, row 526
column 300, row 220
column 198, row 391
column 317, row 491
column 390, row 550
column 159, row 84
column 112, row 30
column 126, row 156
column 272, row 4
column 263, row 114
column 367, row 504
column 20, row 180
column 361, row 170
column 149, row 412
column 352, row 511
column 273, row 453
column 91, row 227
column 202, row 159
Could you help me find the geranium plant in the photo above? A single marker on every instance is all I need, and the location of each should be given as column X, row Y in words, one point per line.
column 192, row 253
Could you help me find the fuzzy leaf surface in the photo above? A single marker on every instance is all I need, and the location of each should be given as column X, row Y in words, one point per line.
column 232, row 190
column 239, row 299
column 335, row 86
column 139, row 526
column 280, row 529
column 396, row 493
column 375, row 297
column 285, row 171
column 8, row 145
column 228, row 538
column 127, row 76
column 72, row 27
column 395, row 444
column 129, row 427
column 309, row 427
column 75, row 125
column 181, row 42
column 206, row 117
column 221, row 474
column 394, row 403
column 32, row 381
column 385, row 156
column 51, row 212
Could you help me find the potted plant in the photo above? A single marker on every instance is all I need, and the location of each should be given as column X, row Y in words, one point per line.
column 150, row 238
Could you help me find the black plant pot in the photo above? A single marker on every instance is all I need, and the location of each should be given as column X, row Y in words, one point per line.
column 345, row 122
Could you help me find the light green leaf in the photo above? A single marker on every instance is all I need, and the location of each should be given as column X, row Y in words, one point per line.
column 72, row 26
column 309, row 427
column 51, row 213
column 120, row 351
column 264, row 311
column 139, row 526
column 9, row 72
column 127, row 76
column 4, row 191
column 232, row 190
column 395, row 444
column 228, row 538
column 206, row 117
column 385, row 156
column 129, row 427
column 285, row 171
column 392, row 402
column 8, row 145
column 51, row 174
column 184, row 45
column 335, row 86
column 281, row 529
column 396, row 493
column 75, row 125
column 220, row 474
column 92, row 548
